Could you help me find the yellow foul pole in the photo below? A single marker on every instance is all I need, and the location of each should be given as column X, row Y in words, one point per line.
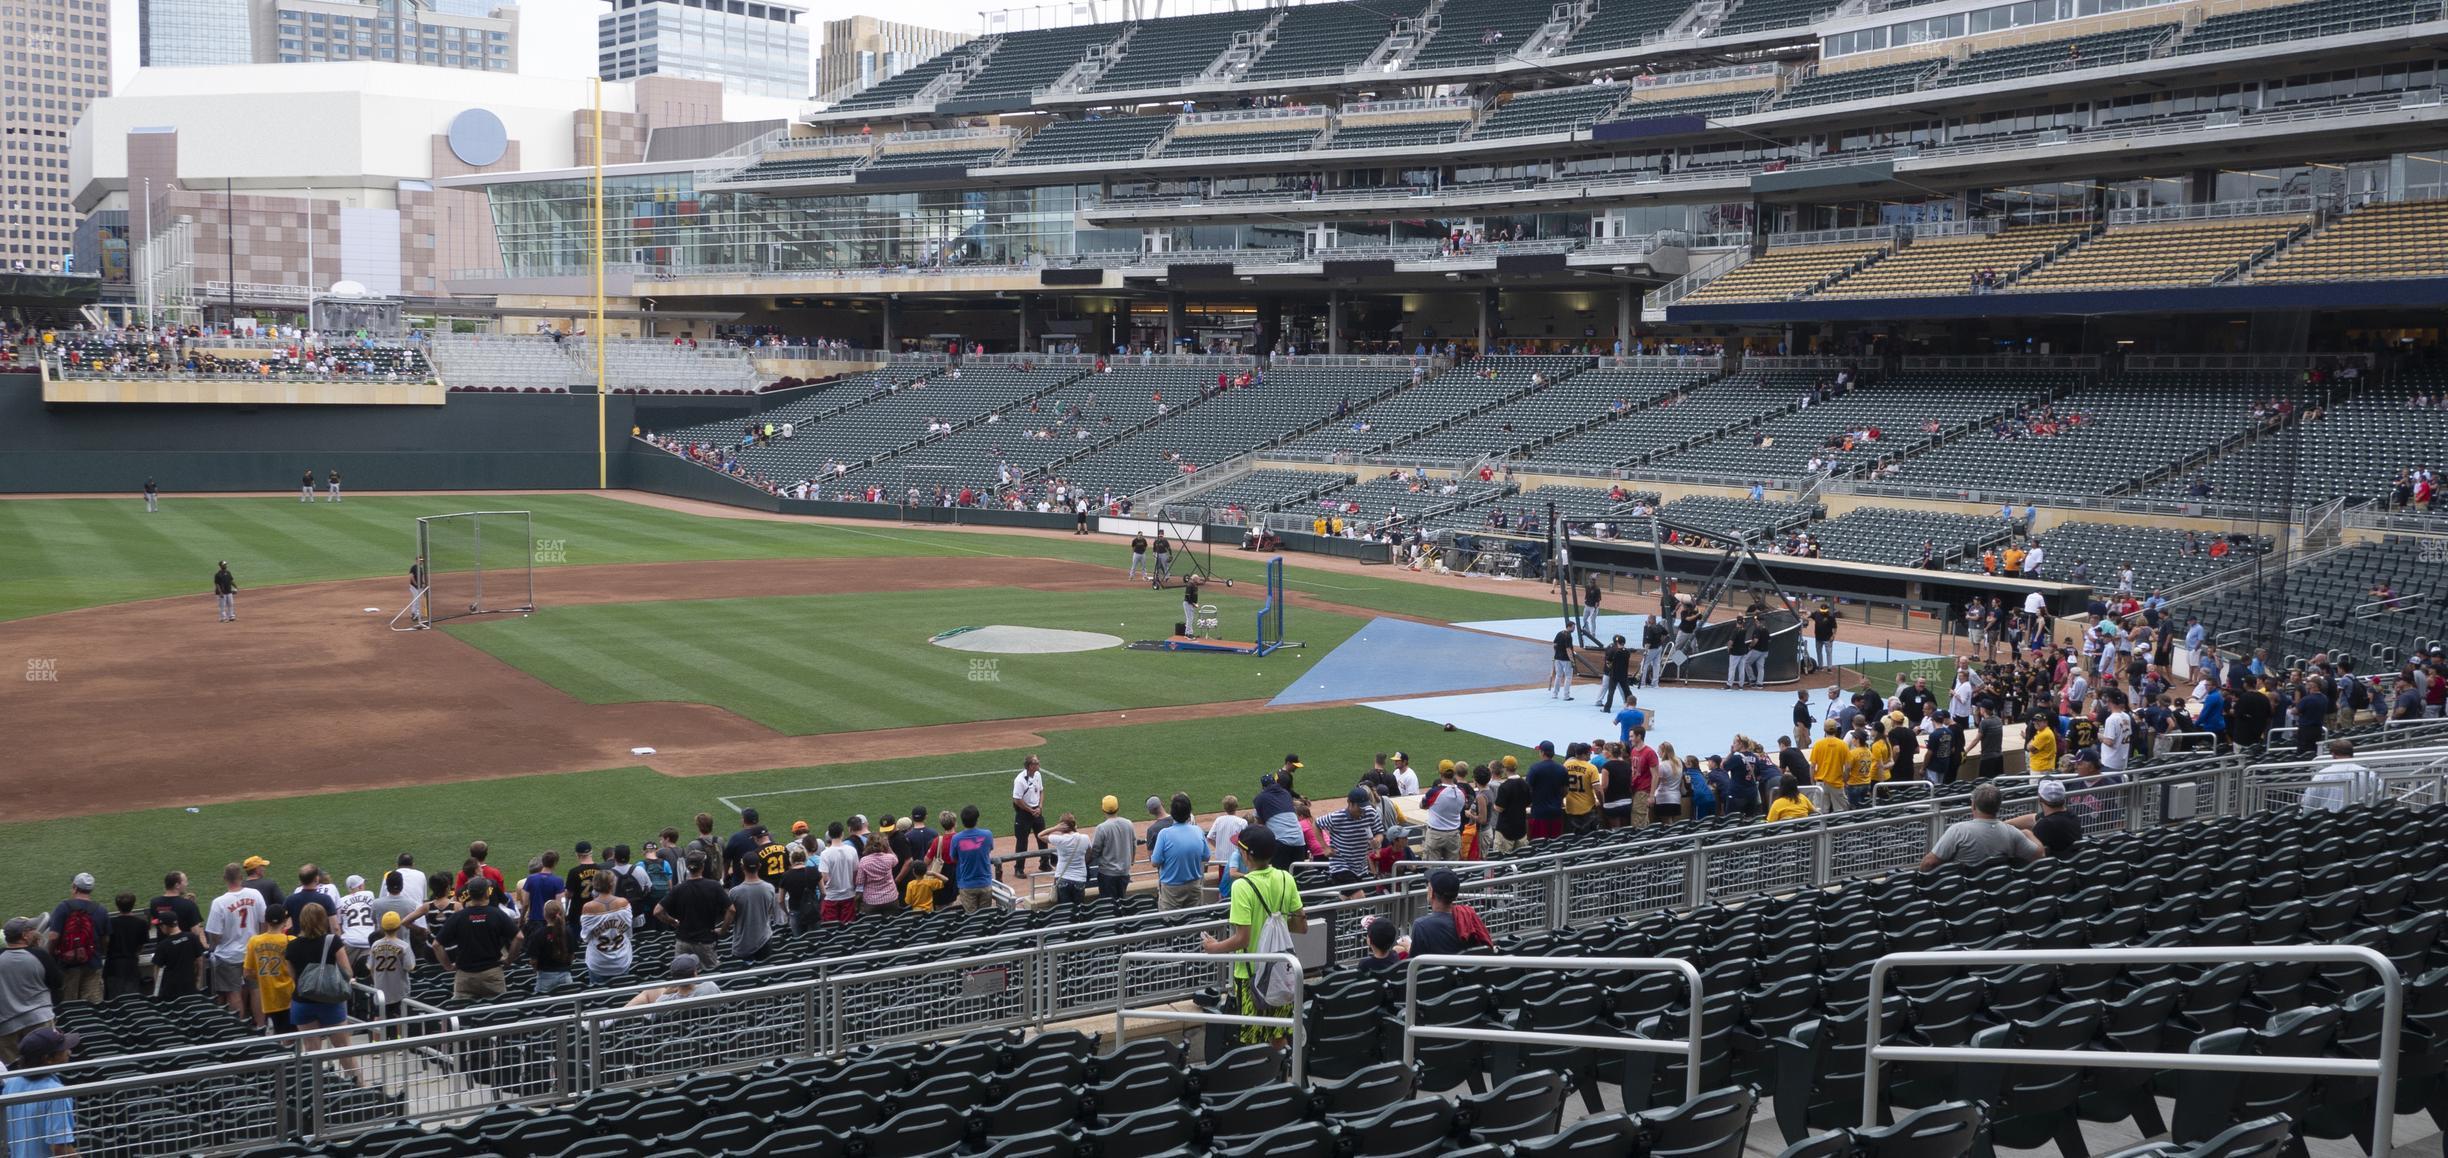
column 603, row 462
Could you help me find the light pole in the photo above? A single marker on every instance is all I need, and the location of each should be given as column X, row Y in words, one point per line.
column 310, row 267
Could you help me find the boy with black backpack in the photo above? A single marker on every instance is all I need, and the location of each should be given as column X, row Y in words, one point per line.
column 80, row 940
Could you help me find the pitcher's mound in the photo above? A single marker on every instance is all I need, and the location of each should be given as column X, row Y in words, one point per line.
column 1006, row 640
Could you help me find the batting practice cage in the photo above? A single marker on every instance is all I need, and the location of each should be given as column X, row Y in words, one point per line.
column 476, row 563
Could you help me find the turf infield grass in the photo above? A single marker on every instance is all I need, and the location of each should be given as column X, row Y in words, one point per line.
column 364, row 831
column 857, row 662
column 61, row 554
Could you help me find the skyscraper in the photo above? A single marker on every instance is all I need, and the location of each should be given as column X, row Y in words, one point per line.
column 188, row 33
column 65, row 63
column 865, row 51
column 441, row 34
column 746, row 46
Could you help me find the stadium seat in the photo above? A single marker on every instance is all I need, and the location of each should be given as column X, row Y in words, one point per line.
column 1525, row 1107
column 1302, row 1140
column 2260, row 1138
column 1028, row 1110
column 918, row 1132
column 1856, row 83
column 1784, row 272
column 1412, row 1129
column 1050, row 1144
column 1252, row 1113
column 1591, row 1137
column 1151, row 1133
column 2143, row 256
column 1321, row 39
column 1555, row 110
column 1946, row 1130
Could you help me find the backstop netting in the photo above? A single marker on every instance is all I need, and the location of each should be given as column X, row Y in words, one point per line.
column 476, row 563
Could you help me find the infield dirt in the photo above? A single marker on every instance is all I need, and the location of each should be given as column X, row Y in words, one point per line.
column 159, row 704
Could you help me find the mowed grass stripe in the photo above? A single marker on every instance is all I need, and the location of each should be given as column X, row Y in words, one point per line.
column 855, row 662
column 68, row 553
column 714, row 643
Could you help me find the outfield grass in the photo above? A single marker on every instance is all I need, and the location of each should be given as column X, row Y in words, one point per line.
column 68, row 553
column 365, row 831
column 856, row 662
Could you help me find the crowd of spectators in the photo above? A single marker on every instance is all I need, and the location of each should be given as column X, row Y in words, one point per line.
column 2087, row 715
column 281, row 353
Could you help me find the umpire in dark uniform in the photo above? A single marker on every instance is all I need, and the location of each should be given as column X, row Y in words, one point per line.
column 225, row 591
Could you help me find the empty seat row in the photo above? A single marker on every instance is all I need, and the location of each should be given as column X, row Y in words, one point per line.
column 2139, row 256
column 1783, row 272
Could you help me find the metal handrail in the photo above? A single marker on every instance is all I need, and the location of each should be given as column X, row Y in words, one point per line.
column 1291, row 1021
column 2384, row 1068
column 1689, row 1047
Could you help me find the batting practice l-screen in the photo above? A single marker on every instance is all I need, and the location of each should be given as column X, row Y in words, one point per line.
column 476, row 563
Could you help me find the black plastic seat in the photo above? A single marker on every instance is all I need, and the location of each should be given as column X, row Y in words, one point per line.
column 1525, row 1107
column 1049, row 1144
column 1445, row 1063
column 845, row 1113
column 1027, row 1111
column 2134, row 1023
column 1058, row 1068
column 803, row 1142
column 2029, row 1105
column 1946, row 1130
column 1599, row 1136
column 664, row 1116
column 1139, row 1090
column 2260, row 1138
column 1819, row 1070
column 1302, row 1140
column 1258, row 1111
column 1368, row 1091
column 1410, row 1129
column 1157, row 1133
column 734, row 1131
column 1713, row 1125
column 918, row 1132
column 1243, row 1068
column 2208, row 1102
column 1146, row 1051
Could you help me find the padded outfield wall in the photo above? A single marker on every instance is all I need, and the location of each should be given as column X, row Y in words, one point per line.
column 471, row 442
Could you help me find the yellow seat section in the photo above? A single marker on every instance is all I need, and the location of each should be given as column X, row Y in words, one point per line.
column 1781, row 273
column 2384, row 239
column 1947, row 265
column 2140, row 256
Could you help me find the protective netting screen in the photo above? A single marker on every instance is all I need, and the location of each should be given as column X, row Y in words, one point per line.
column 477, row 562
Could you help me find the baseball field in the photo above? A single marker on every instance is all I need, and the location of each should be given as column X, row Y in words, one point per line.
column 682, row 659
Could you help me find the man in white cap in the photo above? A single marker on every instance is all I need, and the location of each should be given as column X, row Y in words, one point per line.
column 357, row 919
column 2054, row 828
